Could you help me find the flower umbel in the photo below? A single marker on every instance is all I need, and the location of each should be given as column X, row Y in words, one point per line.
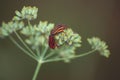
column 65, row 41
column 10, row 27
column 44, row 42
column 28, row 13
column 68, row 37
column 100, row 46
column 37, row 34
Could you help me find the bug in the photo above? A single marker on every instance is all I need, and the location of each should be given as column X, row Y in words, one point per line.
column 52, row 43
column 56, row 30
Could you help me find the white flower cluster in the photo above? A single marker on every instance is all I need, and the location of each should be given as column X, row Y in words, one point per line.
column 100, row 46
column 28, row 13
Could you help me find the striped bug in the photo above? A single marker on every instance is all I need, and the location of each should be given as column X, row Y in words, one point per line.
column 56, row 30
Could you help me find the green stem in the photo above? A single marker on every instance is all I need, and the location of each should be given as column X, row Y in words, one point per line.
column 85, row 54
column 37, row 70
column 44, row 52
column 24, row 44
column 49, row 55
column 25, row 51
column 76, row 56
column 38, row 51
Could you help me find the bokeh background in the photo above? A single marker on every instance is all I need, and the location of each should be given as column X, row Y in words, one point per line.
column 88, row 18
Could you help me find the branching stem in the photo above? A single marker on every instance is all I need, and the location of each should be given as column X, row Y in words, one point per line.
column 44, row 52
column 18, row 36
column 49, row 55
column 60, row 59
column 38, row 51
column 25, row 51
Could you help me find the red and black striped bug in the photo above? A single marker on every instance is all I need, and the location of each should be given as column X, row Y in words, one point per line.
column 52, row 43
column 56, row 30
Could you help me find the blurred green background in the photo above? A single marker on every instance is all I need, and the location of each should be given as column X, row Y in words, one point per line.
column 88, row 18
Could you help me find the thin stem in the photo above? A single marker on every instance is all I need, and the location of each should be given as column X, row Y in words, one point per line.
column 60, row 59
column 44, row 52
column 38, row 51
column 37, row 70
column 85, row 54
column 49, row 55
column 25, row 51
column 24, row 43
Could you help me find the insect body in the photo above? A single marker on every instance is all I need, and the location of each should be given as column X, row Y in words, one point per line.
column 52, row 43
column 56, row 30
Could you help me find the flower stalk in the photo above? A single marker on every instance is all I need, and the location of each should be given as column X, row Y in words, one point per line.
column 72, row 57
column 20, row 47
column 39, row 64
